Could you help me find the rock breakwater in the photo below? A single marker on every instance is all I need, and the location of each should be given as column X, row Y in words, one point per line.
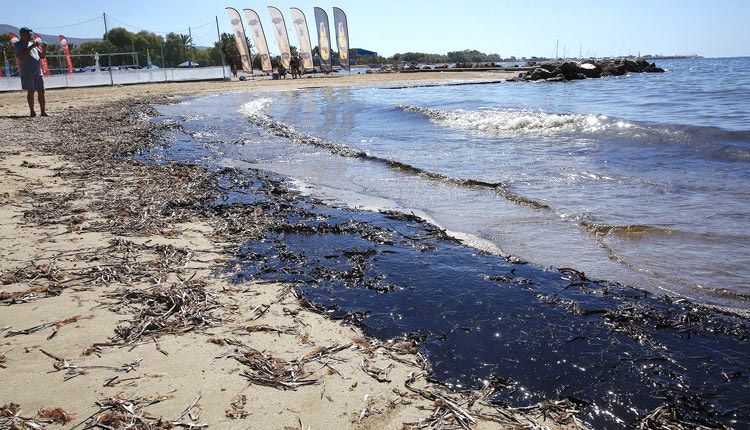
column 586, row 69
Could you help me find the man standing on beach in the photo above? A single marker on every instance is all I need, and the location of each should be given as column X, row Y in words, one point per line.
column 30, row 53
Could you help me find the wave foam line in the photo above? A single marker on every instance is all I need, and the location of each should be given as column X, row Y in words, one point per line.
column 500, row 121
column 709, row 142
column 255, row 113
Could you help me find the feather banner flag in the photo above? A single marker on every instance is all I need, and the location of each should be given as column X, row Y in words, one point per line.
column 45, row 64
column 256, row 30
column 324, row 39
column 13, row 39
column 240, row 38
column 66, row 51
column 282, row 37
column 303, row 35
column 342, row 37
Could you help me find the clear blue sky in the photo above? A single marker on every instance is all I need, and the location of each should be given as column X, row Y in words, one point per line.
column 718, row 28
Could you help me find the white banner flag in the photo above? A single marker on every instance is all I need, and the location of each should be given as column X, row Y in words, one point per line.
column 259, row 37
column 240, row 38
column 303, row 35
column 282, row 37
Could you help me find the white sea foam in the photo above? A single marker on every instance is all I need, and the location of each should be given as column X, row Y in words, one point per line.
column 205, row 135
column 255, row 108
column 501, row 121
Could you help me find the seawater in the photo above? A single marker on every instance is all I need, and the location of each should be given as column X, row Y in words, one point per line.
column 641, row 180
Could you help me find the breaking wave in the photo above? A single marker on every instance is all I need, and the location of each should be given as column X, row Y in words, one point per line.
column 706, row 142
column 501, row 121
column 255, row 113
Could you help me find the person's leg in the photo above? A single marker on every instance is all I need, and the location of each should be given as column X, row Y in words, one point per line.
column 42, row 102
column 30, row 99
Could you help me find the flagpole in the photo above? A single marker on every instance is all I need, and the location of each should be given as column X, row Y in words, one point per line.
column 221, row 50
column 190, row 33
column 109, row 53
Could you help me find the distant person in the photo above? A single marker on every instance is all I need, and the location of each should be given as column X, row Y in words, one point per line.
column 294, row 66
column 234, row 70
column 282, row 71
column 30, row 70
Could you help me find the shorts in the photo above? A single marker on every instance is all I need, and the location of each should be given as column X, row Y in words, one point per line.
column 32, row 83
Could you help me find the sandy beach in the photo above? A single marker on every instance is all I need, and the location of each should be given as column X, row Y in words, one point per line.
column 116, row 309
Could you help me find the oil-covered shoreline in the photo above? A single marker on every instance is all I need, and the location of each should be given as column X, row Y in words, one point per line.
column 115, row 310
column 417, row 291
column 495, row 323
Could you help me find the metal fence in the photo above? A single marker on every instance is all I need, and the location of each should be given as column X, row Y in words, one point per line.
column 123, row 77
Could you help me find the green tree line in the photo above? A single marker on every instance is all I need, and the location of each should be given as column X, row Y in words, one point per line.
column 166, row 51
column 177, row 48
column 466, row 56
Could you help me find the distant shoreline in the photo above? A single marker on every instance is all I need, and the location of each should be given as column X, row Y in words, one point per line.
column 672, row 57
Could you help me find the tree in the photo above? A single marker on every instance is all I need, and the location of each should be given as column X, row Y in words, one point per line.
column 172, row 48
column 121, row 39
column 472, row 56
column 229, row 50
column 215, row 55
column 150, row 44
column 89, row 49
column 419, row 57
column 186, row 45
column 232, row 53
column 55, row 63
column 367, row 59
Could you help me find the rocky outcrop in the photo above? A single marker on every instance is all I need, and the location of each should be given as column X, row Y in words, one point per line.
column 587, row 69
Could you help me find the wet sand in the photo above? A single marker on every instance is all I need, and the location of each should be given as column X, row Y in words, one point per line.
column 116, row 306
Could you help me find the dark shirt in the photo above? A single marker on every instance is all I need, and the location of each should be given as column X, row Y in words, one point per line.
column 31, row 64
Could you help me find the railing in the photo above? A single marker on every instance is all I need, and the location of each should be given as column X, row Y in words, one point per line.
column 122, row 77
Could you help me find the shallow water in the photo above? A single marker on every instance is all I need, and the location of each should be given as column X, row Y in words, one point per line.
column 640, row 181
column 526, row 333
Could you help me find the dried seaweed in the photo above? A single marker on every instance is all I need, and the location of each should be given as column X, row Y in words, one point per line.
column 56, row 324
column 397, row 348
column 269, row 329
column 369, row 408
column 173, row 309
column 123, row 262
column 54, row 415
column 237, row 410
column 379, row 374
column 10, row 410
column 33, row 273
column 666, row 418
column 11, row 419
column 446, row 412
column 282, row 374
column 119, row 413
column 72, row 370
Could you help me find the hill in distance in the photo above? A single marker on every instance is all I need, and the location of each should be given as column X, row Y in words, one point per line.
column 49, row 38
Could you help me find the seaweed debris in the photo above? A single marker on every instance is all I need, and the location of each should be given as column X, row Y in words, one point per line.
column 122, row 413
column 480, row 314
column 628, row 354
column 285, row 374
column 167, row 309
